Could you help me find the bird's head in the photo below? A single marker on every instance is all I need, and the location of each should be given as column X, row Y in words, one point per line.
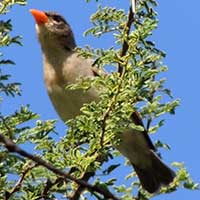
column 53, row 30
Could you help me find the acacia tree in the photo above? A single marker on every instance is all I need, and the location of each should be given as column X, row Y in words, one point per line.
column 68, row 167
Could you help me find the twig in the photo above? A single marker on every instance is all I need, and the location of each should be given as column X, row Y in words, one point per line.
column 19, row 182
column 152, row 92
column 107, row 31
column 48, row 186
column 125, row 44
column 105, row 116
column 80, row 188
column 86, row 176
column 12, row 147
column 138, row 196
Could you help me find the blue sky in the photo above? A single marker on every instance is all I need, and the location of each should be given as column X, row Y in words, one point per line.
column 177, row 34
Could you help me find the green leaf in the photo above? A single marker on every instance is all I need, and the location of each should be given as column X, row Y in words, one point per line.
column 110, row 169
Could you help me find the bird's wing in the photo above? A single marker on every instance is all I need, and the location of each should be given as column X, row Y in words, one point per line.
column 138, row 121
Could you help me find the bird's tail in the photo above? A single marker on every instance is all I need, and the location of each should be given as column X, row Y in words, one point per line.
column 155, row 176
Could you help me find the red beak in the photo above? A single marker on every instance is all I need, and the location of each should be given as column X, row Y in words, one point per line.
column 40, row 16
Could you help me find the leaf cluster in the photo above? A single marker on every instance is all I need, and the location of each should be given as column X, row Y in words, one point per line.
column 6, row 40
column 6, row 4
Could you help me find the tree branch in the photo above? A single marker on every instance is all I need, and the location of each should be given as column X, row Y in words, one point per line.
column 81, row 188
column 125, row 44
column 48, row 186
column 12, row 147
column 19, row 182
column 86, row 176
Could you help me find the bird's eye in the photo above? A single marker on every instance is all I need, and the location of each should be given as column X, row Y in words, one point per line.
column 57, row 19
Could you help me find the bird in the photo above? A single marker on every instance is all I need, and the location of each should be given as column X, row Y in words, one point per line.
column 63, row 66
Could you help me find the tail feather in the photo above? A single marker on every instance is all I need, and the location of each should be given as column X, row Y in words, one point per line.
column 152, row 178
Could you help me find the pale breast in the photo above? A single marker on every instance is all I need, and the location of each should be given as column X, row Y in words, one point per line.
column 68, row 103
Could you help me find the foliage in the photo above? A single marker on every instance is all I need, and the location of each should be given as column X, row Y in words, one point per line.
column 5, row 4
column 88, row 144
